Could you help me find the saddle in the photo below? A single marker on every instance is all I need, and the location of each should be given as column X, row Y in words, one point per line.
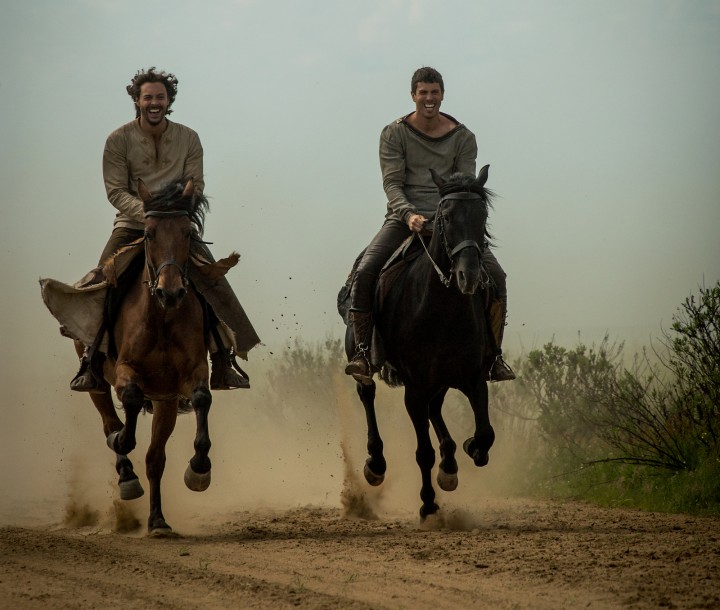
column 393, row 269
column 89, row 305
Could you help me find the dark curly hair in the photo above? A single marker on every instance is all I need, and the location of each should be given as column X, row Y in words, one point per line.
column 426, row 75
column 152, row 75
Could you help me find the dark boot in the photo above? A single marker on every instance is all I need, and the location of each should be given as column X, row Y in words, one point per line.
column 223, row 375
column 499, row 369
column 359, row 367
column 86, row 379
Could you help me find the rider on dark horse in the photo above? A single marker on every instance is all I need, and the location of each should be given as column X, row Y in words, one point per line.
column 158, row 151
column 409, row 147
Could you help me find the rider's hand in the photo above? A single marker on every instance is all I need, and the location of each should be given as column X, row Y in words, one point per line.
column 416, row 222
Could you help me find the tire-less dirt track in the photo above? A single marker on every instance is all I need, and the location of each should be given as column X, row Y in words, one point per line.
column 271, row 531
column 511, row 554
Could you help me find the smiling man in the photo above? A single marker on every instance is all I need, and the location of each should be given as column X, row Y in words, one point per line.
column 426, row 138
column 160, row 151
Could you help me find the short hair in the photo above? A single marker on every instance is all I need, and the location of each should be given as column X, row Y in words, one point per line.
column 152, row 75
column 426, row 75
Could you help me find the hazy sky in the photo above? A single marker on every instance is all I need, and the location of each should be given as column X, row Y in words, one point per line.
column 599, row 119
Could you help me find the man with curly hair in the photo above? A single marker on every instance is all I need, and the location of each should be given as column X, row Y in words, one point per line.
column 426, row 138
column 158, row 151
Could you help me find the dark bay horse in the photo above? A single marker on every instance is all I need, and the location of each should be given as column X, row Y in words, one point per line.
column 159, row 347
column 435, row 336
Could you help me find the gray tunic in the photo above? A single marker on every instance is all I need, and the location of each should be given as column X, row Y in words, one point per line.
column 406, row 156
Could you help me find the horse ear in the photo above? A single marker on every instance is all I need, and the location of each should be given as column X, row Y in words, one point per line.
column 437, row 178
column 483, row 175
column 189, row 189
column 145, row 195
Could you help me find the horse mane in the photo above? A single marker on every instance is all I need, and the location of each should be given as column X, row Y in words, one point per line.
column 467, row 183
column 170, row 199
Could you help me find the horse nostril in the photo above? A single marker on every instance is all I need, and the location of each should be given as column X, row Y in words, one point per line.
column 160, row 293
column 181, row 294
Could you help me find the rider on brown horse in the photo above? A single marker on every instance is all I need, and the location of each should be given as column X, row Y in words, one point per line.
column 155, row 150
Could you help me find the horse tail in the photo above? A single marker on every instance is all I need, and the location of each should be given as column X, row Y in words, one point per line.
column 390, row 376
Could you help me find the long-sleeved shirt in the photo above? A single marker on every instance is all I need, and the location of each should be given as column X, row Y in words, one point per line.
column 406, row 156
column 131, row 154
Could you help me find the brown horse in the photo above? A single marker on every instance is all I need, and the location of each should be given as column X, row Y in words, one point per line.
column 158, row 347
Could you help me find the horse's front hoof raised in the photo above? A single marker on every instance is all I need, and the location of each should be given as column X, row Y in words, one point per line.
column 130, row 490
column 371, row 477
column 195, row 481
column 446, row 481
column 478, row 457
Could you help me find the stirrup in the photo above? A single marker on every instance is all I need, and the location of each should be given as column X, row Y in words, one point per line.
column 226, row 374
column 500, row 370
column 360, row 367
column 85, row 380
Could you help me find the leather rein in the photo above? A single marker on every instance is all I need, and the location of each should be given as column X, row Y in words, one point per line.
column 451, row 253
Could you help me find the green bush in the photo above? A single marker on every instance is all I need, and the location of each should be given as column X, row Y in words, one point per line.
column 648, row 433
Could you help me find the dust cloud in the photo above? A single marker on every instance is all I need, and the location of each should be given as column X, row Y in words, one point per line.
column 268, row 454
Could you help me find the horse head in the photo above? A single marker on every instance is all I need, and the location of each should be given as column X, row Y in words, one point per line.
column 460, row 227
column 169, row 219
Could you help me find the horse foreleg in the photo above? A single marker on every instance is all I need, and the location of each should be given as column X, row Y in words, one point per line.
column 375, row 465
column 447, row 470
column 163, row 424
column 133, row 398
column 478, row 445
column 417, row 408
column 197, row 474
column 128, row 482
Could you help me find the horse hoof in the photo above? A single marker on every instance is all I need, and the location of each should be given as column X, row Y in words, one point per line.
column 428, row 509
column 195, row 481
column 162, row 532
column 470, row 447
column 371, row 477
column 130, row 490
column 446, row 481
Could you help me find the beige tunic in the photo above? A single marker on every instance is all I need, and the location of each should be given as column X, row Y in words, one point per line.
column 131, row 154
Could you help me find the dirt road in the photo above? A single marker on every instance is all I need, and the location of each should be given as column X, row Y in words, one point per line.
column 507, row 554
column 276, row 527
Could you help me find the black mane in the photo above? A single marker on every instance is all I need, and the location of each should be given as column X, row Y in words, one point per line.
column 170, row 199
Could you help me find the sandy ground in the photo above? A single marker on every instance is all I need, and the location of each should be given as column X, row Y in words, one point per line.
column 279, row 526
column 508, row 554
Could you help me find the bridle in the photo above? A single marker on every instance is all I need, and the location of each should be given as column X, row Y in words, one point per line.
column 154, row 272
column 452, row 253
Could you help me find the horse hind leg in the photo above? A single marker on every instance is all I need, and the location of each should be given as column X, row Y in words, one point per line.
column 128, row 483
column 447, row 478
column 375, row 465
column 197, row 473
column 417, row 408
column 163, row 424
